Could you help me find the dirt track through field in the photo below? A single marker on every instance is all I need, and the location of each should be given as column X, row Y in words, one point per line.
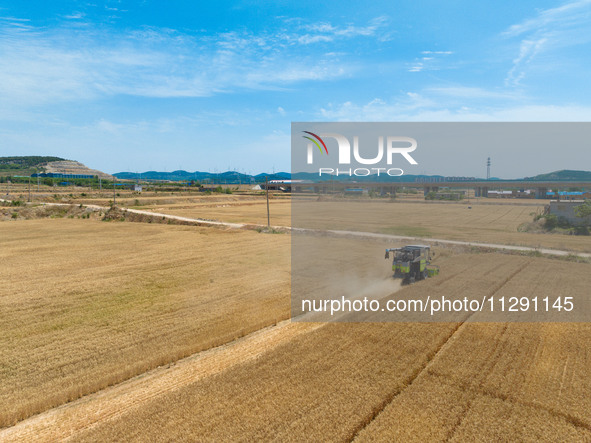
column 341, row 233
column 66, row 421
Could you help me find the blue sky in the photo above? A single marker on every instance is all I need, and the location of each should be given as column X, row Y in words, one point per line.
column 152, row 85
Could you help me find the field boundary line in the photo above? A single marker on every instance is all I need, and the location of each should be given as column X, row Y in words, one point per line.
column 338, row 233
column 575, row 421
column 558, row 252
column 66, row 421
column 406, row 384
column 469, row 402
column 426, row 366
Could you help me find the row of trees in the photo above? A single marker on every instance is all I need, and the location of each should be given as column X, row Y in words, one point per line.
column 26, row 161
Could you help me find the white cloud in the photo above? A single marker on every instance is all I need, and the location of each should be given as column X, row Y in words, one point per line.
column 326, row 32
column 567, row 14
column 306, row 39
column 527, row 51
column 41, row 65
column 437, row 52
column 550, row 30
column 453, row 104
column 377, row 109
column 431, row 63
column 466, row 92
column 75, row 16
column 14, row 19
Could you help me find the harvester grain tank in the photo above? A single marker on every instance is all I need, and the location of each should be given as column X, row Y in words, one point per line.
column 412, row 263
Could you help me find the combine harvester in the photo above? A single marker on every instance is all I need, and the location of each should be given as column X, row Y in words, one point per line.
column 412, row 263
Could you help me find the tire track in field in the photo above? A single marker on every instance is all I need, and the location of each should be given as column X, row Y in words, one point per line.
column 489, row 370
column 480, row 390
column 66, row 421
column 462, row 271
column 494, row 221
column 445, row 343
column 69, row 420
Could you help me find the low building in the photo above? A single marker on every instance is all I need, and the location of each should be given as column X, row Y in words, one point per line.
column 500, row 194
column 356, row 191
column 566, row 209
column 566, row 195
column 60, row 175
column 526, row 193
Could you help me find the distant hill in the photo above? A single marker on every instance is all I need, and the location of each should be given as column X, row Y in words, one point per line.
column 229, row 177
column 73, row 167
column 24, row 165
column 29, row 160
column 563, row 175
column 27, row 165
column 233, row 177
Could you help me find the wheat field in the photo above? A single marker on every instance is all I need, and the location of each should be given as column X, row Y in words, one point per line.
column 393, row 381
column 508, row 382
column 86, row 304
column 487, row 220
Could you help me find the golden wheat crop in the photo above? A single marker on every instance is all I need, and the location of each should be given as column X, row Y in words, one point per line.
column 393, row 381
column 486, row 222
column 246, row 209
column 505, row 382
column 85, row 304
column 321, row 386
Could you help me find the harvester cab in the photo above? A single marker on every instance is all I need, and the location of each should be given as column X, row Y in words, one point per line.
column 412, row 263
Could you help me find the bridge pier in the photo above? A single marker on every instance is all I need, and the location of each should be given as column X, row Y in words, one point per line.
column 541, row 192
column 481, row 191
column 428, row 189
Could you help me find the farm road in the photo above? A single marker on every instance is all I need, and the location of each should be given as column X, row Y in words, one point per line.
column 338, row 233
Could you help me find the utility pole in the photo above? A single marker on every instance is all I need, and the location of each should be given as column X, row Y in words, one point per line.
column 100, row 184
column 114, row 195
column 268, row 215
column 488, row 169
column 29, row 189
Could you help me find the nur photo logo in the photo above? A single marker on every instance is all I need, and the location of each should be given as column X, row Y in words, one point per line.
column 387, row 148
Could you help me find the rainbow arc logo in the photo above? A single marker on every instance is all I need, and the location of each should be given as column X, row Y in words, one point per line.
column 316, row 142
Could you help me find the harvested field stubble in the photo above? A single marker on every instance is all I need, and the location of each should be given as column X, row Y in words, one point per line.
column 486, row 223
column 235, row 210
